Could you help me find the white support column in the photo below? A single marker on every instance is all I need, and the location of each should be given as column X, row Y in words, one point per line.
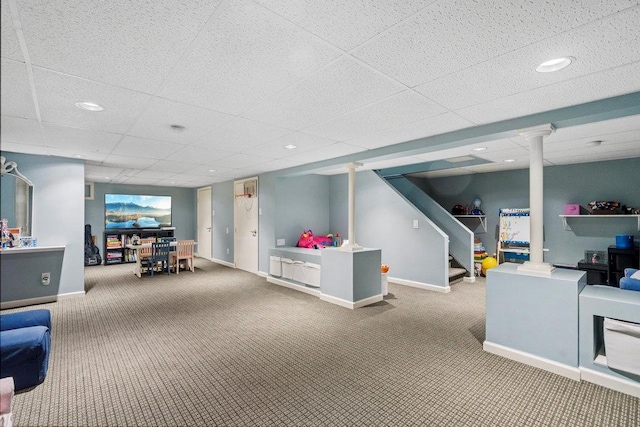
column 352, row 246
column 536, row 264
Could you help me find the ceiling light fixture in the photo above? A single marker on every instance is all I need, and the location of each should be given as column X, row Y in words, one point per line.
column 509, row 160
column 555, row 64
column 211, row 170
column 290, row 147
column 594, row 143
column 177, row 128
column 89, row 106
column 479, row 149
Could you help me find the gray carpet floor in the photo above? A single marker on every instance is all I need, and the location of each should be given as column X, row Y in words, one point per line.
column 224, row 347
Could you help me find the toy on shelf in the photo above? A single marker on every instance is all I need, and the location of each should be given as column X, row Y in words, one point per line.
column 477, row 204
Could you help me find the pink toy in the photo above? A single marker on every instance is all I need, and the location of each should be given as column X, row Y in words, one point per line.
column 308, row 240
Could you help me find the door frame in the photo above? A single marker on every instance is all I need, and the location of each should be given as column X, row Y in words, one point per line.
column 209, row 210
column 235, row 225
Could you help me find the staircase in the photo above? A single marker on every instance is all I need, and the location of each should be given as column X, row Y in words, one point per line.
column 460, row 237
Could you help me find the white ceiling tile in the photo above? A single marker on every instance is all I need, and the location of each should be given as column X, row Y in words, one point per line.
column 448, row 36
column 575, row 149
column 58, row 93
column 442, row 173
column 597, row 157
column 160, row 114
column 76, row 154
column 20, row 131
column 24, row 148
column 337, row 89
column 240, row 134
column 276, row 164
column 274, row 149
column 16, row 99
column 595, row 86
column 405, row 107
column 139, row 147
column 435, row 125
column 171, row 166
column 581, row 144
column 80, row 140
column 10, row 46
column 590, row 131
column 94, row 39
column 101, row 171
column 153, row 174
column 199, row 155
column 357, row 21
column 596, row 47
column 496, row 149
column 328, row 152
column 239, row 161
column 245, row 53
column 128, row 161
column 205, row 170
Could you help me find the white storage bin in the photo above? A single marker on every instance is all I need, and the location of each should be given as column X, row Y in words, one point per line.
column 622, row 345
column 275, row 266
column 287, row 268
column 311, row 274
column 298, row 271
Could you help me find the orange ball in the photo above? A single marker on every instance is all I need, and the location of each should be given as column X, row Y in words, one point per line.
column 384, row 268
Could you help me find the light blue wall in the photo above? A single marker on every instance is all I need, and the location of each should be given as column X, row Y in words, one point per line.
column 384, row 220
column 58, row 211
column 8, row 197
column 580, row 183
column 183, row 208
column 222, row 200
column 302, row 203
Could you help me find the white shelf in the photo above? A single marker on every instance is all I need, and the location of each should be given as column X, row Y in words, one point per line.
column 628, row 219
column 482, row 219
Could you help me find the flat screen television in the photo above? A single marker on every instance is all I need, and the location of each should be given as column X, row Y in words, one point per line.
column 131, row 211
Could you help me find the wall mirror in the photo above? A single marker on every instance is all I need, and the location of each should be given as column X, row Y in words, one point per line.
column 16, row 198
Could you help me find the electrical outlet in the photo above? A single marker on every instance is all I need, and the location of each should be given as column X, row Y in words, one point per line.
column 259, row 211
column 227, row 230
column 416, row 224
column 280, row 242
column 228, row 251
column 46, row 279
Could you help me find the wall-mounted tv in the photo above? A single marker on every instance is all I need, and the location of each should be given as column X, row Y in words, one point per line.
column 125, row 211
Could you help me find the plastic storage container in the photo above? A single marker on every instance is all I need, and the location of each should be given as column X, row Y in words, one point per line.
column 624, row 241
column 287, row 268
column 622, row 345
column 275, row 266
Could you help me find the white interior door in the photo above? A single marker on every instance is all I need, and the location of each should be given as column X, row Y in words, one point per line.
column 205, row 237
column 245, row 218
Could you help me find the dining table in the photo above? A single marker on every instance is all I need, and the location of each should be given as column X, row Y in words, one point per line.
column 137, row 269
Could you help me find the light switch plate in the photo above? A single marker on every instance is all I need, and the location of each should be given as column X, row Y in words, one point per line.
column 415, row 223
column 280, row 242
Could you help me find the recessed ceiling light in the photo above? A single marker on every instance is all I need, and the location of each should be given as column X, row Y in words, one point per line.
column 89, row 106
column 509, row 160
column 211, row 170
column 106, row 177
column 177, row 128
column 479, row 149
column 555, row 64
column 594, row 143
column 78, row 156
column 173, row 182
column 290, row 147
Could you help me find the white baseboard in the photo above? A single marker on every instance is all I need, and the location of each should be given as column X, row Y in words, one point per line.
column 39, row 300
column 351, row 304
column 420, row 285
column 262, row 274
column 614, row 383
column 467, row 279
column 226, row 263
column 533, row 360
column 290, row 285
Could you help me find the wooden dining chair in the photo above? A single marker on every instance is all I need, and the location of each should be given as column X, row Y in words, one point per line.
column 184, row 251
column 159, row 254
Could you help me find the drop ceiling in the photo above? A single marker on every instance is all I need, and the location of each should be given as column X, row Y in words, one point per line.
column 337, row 79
